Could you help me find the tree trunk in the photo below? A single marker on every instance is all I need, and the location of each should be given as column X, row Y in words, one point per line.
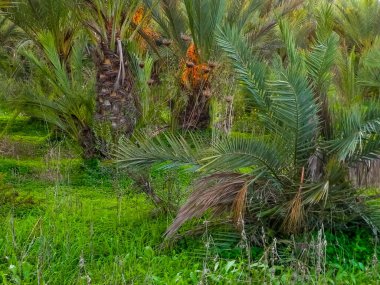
column 115, row 103
column 196, row 114
column 195, row 81
column 87, row 141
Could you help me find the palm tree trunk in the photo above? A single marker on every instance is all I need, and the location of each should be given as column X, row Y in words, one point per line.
column 115, row 103
column 196, row 114
column 195, row 81
column 87, row 141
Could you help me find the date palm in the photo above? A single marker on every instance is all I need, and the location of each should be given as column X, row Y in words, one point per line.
column 110, row 25
column 67, row 99
column 358, row 22
column 51, row 31
column 287, row 176
column 191, row 26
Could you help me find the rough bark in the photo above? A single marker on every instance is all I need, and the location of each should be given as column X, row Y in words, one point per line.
column 115, row 103
column 365, row 174
column 87, row 141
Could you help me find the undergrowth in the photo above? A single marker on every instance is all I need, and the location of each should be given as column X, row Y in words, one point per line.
column 68, row 221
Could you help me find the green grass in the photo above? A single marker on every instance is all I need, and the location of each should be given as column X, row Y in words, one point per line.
column 24, row 126
column 65, row 221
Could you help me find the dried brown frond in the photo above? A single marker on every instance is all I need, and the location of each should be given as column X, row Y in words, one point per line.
column 196, row 231
column 295, row 219
column 239, row 206
column 220, row 193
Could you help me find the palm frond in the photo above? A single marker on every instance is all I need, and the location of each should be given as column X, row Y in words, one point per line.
column 203, row 17
column 55, row 95
column 173, row 151
column 372, row 215
column 220, row 193
column 170, row 17
column 109, row 19
column 250, row 71
column 326, row 19
column 239, row 12
column 348, row 89
column 358, row 131
column 289, row 42
column 236, row 153
column 358, row 21
column 260, row 28
column 294, row 107
column 319, row 62
column 369, row 73
column 60, row 76
column 54, row 16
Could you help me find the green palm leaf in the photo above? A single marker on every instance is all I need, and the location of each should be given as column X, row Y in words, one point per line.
column 235, row 153
column 294, row 108
column 64, row 100
column 203, row 17
column 320, row 60
column 357, row 134
column 250, row 71
column 171, row 150
column 170, row 16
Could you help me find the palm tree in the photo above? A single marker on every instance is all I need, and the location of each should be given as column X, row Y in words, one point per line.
column 288, row 176
column 41, row 16
column 66, row 101
column 191, row 25
column 358, row 22
column 50, row 26
column 113, row 29
column 110, row 25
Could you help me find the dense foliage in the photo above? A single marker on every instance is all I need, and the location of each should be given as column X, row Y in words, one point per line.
column 259, row 118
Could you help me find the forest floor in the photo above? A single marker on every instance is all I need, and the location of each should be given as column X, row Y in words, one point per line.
column 66, row 221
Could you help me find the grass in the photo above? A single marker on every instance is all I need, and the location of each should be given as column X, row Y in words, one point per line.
column 72, row 233
column 65, row 221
